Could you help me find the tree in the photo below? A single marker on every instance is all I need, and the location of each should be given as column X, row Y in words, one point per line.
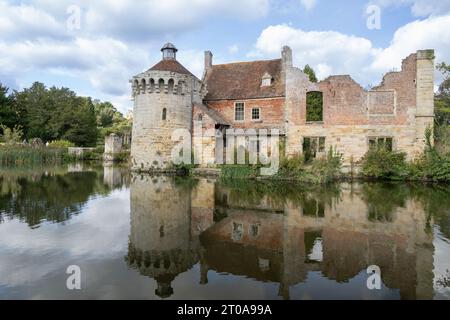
column 11, row 136
column 442, row 99
column 8, row 117
column 83, row 128
column 310, row 72
column 56, row 113
column 442, row 111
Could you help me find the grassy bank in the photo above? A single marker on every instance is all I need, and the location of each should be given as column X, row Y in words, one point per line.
column 23, row 155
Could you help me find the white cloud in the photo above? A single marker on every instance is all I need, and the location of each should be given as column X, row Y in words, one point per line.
column 233, row 49
column 331, row 52
column 334, row 52
column 308, row 4
column 419, row 8
column 106, row 63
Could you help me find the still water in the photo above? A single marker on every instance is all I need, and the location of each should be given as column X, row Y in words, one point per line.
column 148, row 237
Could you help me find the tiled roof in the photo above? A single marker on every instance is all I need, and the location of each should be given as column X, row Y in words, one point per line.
column 217, row 118
column 242, row 80
column 170, row 65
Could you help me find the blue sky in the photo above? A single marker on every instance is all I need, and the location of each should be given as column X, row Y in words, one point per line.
column 120, row 38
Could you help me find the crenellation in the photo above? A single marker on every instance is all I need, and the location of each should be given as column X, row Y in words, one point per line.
column 400, row 108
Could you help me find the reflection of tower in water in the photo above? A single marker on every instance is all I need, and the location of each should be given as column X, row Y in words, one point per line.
column 160, row 242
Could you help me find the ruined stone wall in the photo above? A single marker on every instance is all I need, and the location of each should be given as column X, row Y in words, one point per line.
column 401, row 108
column 152, row 145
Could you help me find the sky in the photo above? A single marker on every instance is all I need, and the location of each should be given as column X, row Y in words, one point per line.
column 95, row 47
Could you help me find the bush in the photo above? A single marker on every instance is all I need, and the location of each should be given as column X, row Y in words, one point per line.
column 384, row 164
column 327, row 169
column 239, row 172
column 21, row 155
column 62, row 144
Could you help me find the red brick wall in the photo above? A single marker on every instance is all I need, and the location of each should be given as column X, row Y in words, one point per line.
column 345, row 101
column 271, row 112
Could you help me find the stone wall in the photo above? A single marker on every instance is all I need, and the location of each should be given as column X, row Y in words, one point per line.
column 152, row 143
column 401, row 108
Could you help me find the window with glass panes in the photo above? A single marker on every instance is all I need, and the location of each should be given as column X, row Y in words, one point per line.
column 239, row 111
column 256, row 114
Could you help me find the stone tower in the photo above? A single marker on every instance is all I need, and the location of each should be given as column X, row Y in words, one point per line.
column 163, row 97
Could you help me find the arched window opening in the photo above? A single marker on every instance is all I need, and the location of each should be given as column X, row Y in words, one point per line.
column 136, row 86
column 152, row 85
column 144, row 85
column 314, row 106
column 171, row 85
column 200, row 117
column 164, row 114
column 180, row 87
column 161, row 85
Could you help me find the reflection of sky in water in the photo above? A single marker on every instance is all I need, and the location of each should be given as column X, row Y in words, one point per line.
column 33, row 263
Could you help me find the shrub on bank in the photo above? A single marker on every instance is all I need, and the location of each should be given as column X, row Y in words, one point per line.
column 381, row 163
column 22, row 155
column 61, row 144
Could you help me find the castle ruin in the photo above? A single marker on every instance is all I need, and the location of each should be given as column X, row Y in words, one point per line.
column 274, row 94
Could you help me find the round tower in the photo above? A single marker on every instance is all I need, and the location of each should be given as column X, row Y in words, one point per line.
column 163, row 99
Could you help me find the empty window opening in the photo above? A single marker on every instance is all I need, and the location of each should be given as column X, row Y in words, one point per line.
column 239, row 111
column 171, row 84
column 161, row 85
column 164, row 114
column 312, row 146
column 314, row 106
column 152, row 85
column 381, row 143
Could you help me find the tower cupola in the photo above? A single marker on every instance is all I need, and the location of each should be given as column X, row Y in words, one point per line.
column 169, row 52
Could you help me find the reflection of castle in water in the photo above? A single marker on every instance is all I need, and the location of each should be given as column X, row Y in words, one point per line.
column 173, row 227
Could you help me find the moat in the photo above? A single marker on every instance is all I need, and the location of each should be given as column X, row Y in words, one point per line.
column 151, row 237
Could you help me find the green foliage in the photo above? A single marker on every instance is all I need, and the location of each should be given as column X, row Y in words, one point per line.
column 55, row 113
column 8, row 117
column 314, row 106
column 442, row 111
column 239, row 172
column 11, row 136
column 328, row 168
column 61, row 144
column 109, row 120
column 21, row 155
column 123, row 156
column 311, row 73
column 381, row 163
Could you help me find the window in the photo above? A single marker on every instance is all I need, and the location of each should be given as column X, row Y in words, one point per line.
column 312, row 146
column 200, row 117
column 266, row 82
column 314, row 106
column 239, row 111
column 164, row 114
column 381, row 142
column 255, row 114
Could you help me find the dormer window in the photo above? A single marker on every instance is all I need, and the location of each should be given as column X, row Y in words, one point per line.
column 266, row 80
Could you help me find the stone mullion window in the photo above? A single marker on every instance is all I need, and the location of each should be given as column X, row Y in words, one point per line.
column 381, row 142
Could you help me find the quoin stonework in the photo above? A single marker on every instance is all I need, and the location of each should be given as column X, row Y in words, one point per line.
column 274, row 94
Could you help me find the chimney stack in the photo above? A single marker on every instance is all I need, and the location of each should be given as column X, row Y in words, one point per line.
column 208, row 60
